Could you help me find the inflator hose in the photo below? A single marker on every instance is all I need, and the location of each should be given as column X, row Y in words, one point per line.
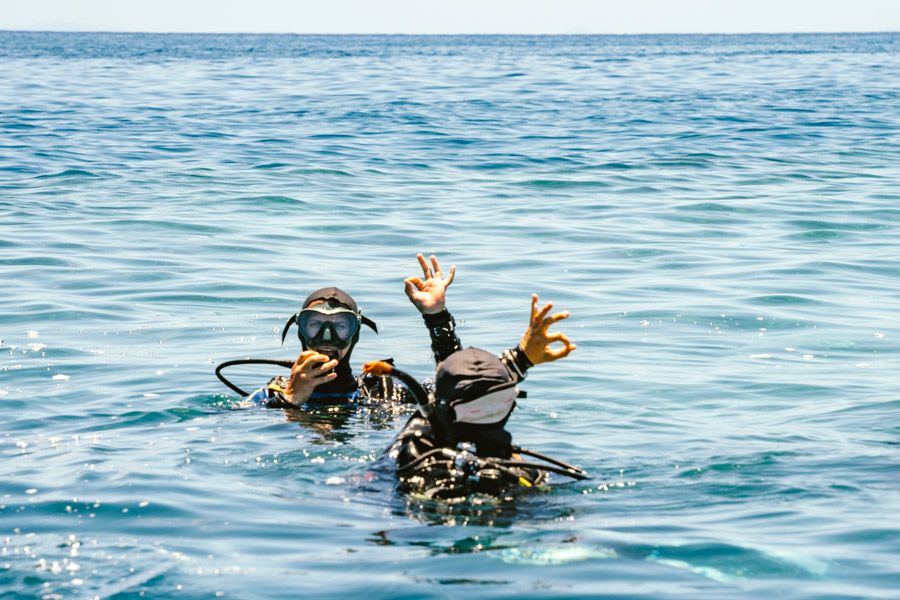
column 249, row 361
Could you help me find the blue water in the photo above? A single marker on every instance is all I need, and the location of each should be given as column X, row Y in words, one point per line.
column 720, row 214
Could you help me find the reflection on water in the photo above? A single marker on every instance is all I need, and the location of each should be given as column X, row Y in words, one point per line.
column 339, row 423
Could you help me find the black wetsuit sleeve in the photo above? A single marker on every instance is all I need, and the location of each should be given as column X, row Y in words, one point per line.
column 516, row 362
column 442, row 329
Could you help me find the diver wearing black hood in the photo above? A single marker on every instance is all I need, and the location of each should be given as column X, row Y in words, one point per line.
column 457, row 442
column 329, row 323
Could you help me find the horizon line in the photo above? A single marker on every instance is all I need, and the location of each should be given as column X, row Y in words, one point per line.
column 482, row 34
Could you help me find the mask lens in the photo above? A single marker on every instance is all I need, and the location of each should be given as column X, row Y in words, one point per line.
column 344, row 325
column 311, row 324
column 336, row 328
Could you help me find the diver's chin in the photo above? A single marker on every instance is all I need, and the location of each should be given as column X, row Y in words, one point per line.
column 331, row 352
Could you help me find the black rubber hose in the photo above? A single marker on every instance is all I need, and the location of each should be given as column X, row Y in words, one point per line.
column 447, row 453
column 440, row 425
column 415, row 388
column 551, row 460
column 493, row 463
column 248, row 361
column 579, row 474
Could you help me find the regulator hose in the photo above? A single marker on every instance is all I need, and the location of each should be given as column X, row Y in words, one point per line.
column 287, row 364
column 440, row 424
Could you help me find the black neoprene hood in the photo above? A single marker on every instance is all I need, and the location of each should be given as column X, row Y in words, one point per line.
column 469, row 374
column 344, row 381
column 332, row 293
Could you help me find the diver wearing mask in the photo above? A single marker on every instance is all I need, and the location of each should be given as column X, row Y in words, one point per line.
column 329, row 324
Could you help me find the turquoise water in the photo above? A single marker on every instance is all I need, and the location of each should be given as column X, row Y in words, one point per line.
column 720, row 215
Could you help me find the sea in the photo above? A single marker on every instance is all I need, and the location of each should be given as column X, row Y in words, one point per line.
column 720, row 214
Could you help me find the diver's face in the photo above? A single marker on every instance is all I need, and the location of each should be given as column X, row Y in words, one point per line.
column 329, row 350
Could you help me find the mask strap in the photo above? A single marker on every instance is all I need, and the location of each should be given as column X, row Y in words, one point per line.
column 287, row 326
column 368, row 322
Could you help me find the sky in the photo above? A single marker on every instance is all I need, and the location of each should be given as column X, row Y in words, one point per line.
column 453, row 16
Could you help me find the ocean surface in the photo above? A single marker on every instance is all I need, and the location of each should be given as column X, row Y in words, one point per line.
column 720, row 214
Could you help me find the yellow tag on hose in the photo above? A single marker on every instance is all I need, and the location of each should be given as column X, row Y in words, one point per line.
column 524, row 482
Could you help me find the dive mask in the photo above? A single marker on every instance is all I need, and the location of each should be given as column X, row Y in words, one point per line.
column 324, row 325
column 328, row 324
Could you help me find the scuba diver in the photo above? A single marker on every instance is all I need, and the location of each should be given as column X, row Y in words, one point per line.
column 328, row 325
column 456, row 443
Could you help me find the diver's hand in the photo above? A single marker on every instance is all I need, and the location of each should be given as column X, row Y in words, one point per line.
column 428, row 295
column 537, row 340
column 310, row 369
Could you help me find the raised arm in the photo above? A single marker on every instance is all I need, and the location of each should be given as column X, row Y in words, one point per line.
column 536, row 345
column 428, row 295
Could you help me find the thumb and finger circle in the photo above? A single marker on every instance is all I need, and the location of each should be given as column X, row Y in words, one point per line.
column 556, row 353
column 558, row 336
column 413, row 284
